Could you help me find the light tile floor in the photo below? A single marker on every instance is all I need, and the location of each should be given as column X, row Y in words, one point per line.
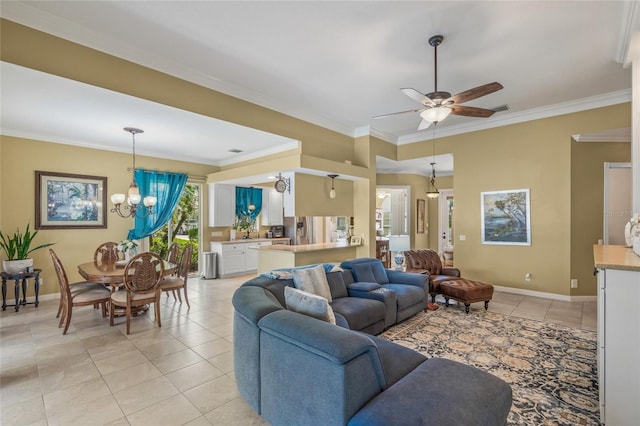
column 180, row 374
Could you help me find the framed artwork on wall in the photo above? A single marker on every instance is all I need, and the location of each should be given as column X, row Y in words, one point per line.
column 420, row 216
column 506, row 217
column 68, row 201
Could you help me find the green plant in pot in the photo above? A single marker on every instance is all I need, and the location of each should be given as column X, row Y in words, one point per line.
column 17, row 248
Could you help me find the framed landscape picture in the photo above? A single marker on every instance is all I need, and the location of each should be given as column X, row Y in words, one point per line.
column 506, row 217
column 68, row 201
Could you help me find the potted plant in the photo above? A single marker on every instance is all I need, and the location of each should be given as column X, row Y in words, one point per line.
column 17, row 249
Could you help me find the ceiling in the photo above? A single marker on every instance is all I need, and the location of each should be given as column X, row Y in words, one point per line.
column 336, row 64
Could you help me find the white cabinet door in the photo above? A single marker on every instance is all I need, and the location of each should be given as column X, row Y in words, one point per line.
column 222, row 204
column 272, row 208
column 232, row 259
column 251, row 255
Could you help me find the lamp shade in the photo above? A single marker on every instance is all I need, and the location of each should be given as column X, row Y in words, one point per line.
column 399, row 243
column 436, row 114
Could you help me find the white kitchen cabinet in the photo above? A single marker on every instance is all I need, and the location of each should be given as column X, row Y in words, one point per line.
column 239, row 257
column 618, row 335
column 272, row 208
column 251, row 255
column 222, row 204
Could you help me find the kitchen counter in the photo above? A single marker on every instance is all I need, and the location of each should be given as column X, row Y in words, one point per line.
column 307, row 247
column 615, row 257
column 252, row 240
column 282, row 256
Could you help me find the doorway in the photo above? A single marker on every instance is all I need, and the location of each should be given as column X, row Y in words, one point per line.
column 445, row 224
column 392, row 210
column 617, row 201
column 184, row 227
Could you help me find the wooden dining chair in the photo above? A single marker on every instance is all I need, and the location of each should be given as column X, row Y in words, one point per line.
column 77, row 294
column 142, row 277
column 178, row 281
column 172, row 254
column 107, row 252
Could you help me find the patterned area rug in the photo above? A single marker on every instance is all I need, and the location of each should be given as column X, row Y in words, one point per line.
column 551, row 368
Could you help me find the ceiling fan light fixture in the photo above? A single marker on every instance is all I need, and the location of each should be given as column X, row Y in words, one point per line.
column 436, row 114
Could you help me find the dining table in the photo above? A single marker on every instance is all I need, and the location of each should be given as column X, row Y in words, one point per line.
column 112, row 274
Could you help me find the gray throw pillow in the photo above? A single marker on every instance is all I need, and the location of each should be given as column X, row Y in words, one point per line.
column 308, row 304
column 312, row 280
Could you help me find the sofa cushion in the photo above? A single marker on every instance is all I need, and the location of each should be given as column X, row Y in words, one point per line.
column 455, row 394
column 312, row 280
column 407, row 295
column 367, row 269
column 337, row 286
column 360, row 313
column 308, row 304
column 397, row 360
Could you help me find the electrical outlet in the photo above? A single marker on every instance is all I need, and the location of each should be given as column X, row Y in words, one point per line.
column 574, row 283
column 463, row 237
column 527, row 276
column 216, row 233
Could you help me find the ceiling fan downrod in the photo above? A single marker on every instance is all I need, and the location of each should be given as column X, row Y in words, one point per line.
column 435, row 42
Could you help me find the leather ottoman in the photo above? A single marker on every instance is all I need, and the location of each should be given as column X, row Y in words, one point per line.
column 466, row 291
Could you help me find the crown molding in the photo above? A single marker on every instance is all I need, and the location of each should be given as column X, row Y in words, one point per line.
column 630, row 25
column 611, row 135
column 583, row 104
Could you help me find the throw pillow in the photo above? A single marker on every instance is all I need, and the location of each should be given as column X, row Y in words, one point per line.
column 312, row 280
column 308, row 304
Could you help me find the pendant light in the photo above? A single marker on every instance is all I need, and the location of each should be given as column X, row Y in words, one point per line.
column 433, row 191
column 332, row 193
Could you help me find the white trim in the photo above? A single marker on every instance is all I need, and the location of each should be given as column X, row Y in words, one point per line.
column 627, row 28
column 262, row 153
column 592, row 102
column 545, row 295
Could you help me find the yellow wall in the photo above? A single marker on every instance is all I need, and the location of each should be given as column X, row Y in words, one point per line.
column 536, row 155
column 587, row 205
column 20, row 158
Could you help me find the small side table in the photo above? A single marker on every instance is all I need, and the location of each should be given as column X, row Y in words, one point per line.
column 35, row 274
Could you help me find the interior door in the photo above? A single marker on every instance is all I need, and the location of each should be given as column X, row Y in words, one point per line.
column 445, row 221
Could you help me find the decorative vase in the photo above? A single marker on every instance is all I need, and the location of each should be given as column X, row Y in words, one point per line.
column 232, row 235
column 16, row 266
column 127, row 255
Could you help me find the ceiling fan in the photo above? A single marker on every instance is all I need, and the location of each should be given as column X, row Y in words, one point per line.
column 438, row 105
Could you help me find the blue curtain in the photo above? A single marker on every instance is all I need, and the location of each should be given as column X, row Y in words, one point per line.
column 167, row 187
column 246, row 197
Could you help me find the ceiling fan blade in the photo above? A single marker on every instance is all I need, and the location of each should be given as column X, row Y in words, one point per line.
column 474, row 93
column 417, row 96
column 424, row 124
column 469, row 111
column 397, row 113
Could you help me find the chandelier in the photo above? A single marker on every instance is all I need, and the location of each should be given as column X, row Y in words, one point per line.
column 131, row 209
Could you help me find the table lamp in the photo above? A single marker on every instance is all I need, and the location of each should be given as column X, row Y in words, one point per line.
column 399, row 244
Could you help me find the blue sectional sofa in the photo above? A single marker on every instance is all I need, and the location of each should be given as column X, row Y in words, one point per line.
column 294, row 369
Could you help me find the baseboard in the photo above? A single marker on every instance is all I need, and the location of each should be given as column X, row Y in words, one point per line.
column 545, row 295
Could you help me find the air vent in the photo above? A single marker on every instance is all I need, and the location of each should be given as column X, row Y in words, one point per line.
column 235, row 151
column 501, row 108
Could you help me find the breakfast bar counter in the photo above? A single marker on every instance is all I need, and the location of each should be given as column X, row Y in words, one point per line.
column 281, row 256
